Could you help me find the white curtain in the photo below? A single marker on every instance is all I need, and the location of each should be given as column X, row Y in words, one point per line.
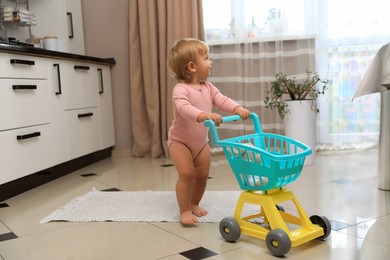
column 252, row 40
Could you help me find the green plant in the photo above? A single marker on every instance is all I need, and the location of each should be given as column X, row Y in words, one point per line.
column 284, row 88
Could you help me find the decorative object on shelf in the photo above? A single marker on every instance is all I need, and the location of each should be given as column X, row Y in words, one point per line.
column 15, row 16
column 277, row 23
column 50, row 43
column 296, row 102
column 283, row 86
column 20, row 17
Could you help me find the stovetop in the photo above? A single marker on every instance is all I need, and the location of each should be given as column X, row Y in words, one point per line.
column 13, row 41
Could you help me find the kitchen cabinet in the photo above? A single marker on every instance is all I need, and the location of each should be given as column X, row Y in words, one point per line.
column 61, row 18
column 54, row 110
column 25, row 103
column 79, row 101
column 24, row 151
column 82, row 127
column 82, row 97
column 25, row 121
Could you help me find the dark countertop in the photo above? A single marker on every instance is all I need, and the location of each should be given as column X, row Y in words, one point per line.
column 33, row 51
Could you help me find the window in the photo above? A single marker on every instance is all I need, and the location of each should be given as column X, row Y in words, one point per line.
column 368, row 19
column 348, row 34
column 235, row 19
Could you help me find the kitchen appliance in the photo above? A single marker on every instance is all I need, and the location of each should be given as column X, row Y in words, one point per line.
column 13, row 41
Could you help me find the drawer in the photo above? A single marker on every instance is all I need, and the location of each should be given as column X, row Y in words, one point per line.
column 24, row 103
column 22, row 66
column 30, row 154
column 83, row 132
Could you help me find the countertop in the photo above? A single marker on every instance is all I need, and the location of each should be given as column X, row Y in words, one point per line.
column 34, row 51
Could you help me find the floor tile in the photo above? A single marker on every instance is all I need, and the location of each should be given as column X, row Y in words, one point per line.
column 7, row 236
column 376, row 230
column 3, row 229
column 198, row 253
column 97, row 241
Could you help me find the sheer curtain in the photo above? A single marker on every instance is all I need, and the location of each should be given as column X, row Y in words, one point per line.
column 252, row 40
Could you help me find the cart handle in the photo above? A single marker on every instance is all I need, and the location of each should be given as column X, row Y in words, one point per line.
column 213, row 129
column 230, row 118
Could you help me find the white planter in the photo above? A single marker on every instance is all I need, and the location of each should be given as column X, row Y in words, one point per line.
column 300, row 124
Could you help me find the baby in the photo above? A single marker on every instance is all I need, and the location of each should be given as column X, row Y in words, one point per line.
column 193, row 99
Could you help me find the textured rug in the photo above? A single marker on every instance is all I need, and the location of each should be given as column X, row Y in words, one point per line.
column 148, row 206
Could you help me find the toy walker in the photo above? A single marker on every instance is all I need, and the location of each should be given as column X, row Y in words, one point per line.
column 263, row 163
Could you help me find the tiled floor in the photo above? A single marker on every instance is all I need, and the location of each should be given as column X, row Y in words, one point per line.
column 340, row 185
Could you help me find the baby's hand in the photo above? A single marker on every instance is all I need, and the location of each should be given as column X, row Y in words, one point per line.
column 242, row 112
column 213, row 116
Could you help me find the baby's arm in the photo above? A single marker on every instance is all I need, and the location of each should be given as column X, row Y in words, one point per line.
column 238, row 110
column 213, row 116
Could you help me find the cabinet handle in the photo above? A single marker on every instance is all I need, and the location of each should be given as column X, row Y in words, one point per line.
column 57, row 66
column 71, row 36
column 22, row 62
column 24, row 87
column 101, row 90
column 85, row 115
column 27, row 136
column 80, row 67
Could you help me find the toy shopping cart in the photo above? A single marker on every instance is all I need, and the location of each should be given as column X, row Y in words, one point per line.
column 263, row 163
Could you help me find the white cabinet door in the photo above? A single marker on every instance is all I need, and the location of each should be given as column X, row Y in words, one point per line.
column 83, row 131
column 79, row 85
column 61, row 18
column 75, row 26
column 57, row 114
column 106, row 114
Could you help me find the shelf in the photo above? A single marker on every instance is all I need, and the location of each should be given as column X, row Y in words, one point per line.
column 19, row 18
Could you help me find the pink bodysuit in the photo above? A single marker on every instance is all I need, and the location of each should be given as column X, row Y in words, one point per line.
column 188, row 103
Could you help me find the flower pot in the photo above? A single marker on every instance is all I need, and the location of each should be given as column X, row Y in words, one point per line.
column 301, row 125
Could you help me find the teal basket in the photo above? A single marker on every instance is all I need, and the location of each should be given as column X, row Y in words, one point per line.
column 261, row 161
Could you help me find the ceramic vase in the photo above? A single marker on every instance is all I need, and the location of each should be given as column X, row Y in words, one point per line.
column 301, row 125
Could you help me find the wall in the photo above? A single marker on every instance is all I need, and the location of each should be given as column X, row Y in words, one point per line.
column 106, row 33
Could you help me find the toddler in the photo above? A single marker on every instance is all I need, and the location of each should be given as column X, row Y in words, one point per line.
column 193, row 99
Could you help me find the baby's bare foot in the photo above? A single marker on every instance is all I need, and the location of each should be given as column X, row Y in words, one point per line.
column 186, row 218
column 198, row 211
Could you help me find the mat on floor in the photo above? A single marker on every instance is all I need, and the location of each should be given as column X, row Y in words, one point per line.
column 149, row 206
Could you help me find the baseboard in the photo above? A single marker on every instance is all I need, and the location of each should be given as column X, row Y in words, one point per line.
column 16, row 187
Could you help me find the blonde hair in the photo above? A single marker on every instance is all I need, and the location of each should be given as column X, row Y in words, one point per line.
column 183, row 52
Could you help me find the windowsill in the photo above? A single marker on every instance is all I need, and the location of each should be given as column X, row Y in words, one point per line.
column 265, row 37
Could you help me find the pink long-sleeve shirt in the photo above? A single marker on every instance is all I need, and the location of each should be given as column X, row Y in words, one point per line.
column 188, row 103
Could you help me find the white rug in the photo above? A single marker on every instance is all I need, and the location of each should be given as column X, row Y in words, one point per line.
column 152, row 206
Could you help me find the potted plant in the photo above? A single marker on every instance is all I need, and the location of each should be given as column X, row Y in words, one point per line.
column 296, row 103
column 284, row 88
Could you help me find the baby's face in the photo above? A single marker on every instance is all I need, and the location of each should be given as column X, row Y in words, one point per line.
column 203, row 66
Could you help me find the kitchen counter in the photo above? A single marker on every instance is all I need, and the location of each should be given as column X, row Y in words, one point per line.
column 62, row 103
column 34, row 51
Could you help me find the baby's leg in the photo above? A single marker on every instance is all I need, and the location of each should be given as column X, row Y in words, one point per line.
column 182, row 158
column 202, row 169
